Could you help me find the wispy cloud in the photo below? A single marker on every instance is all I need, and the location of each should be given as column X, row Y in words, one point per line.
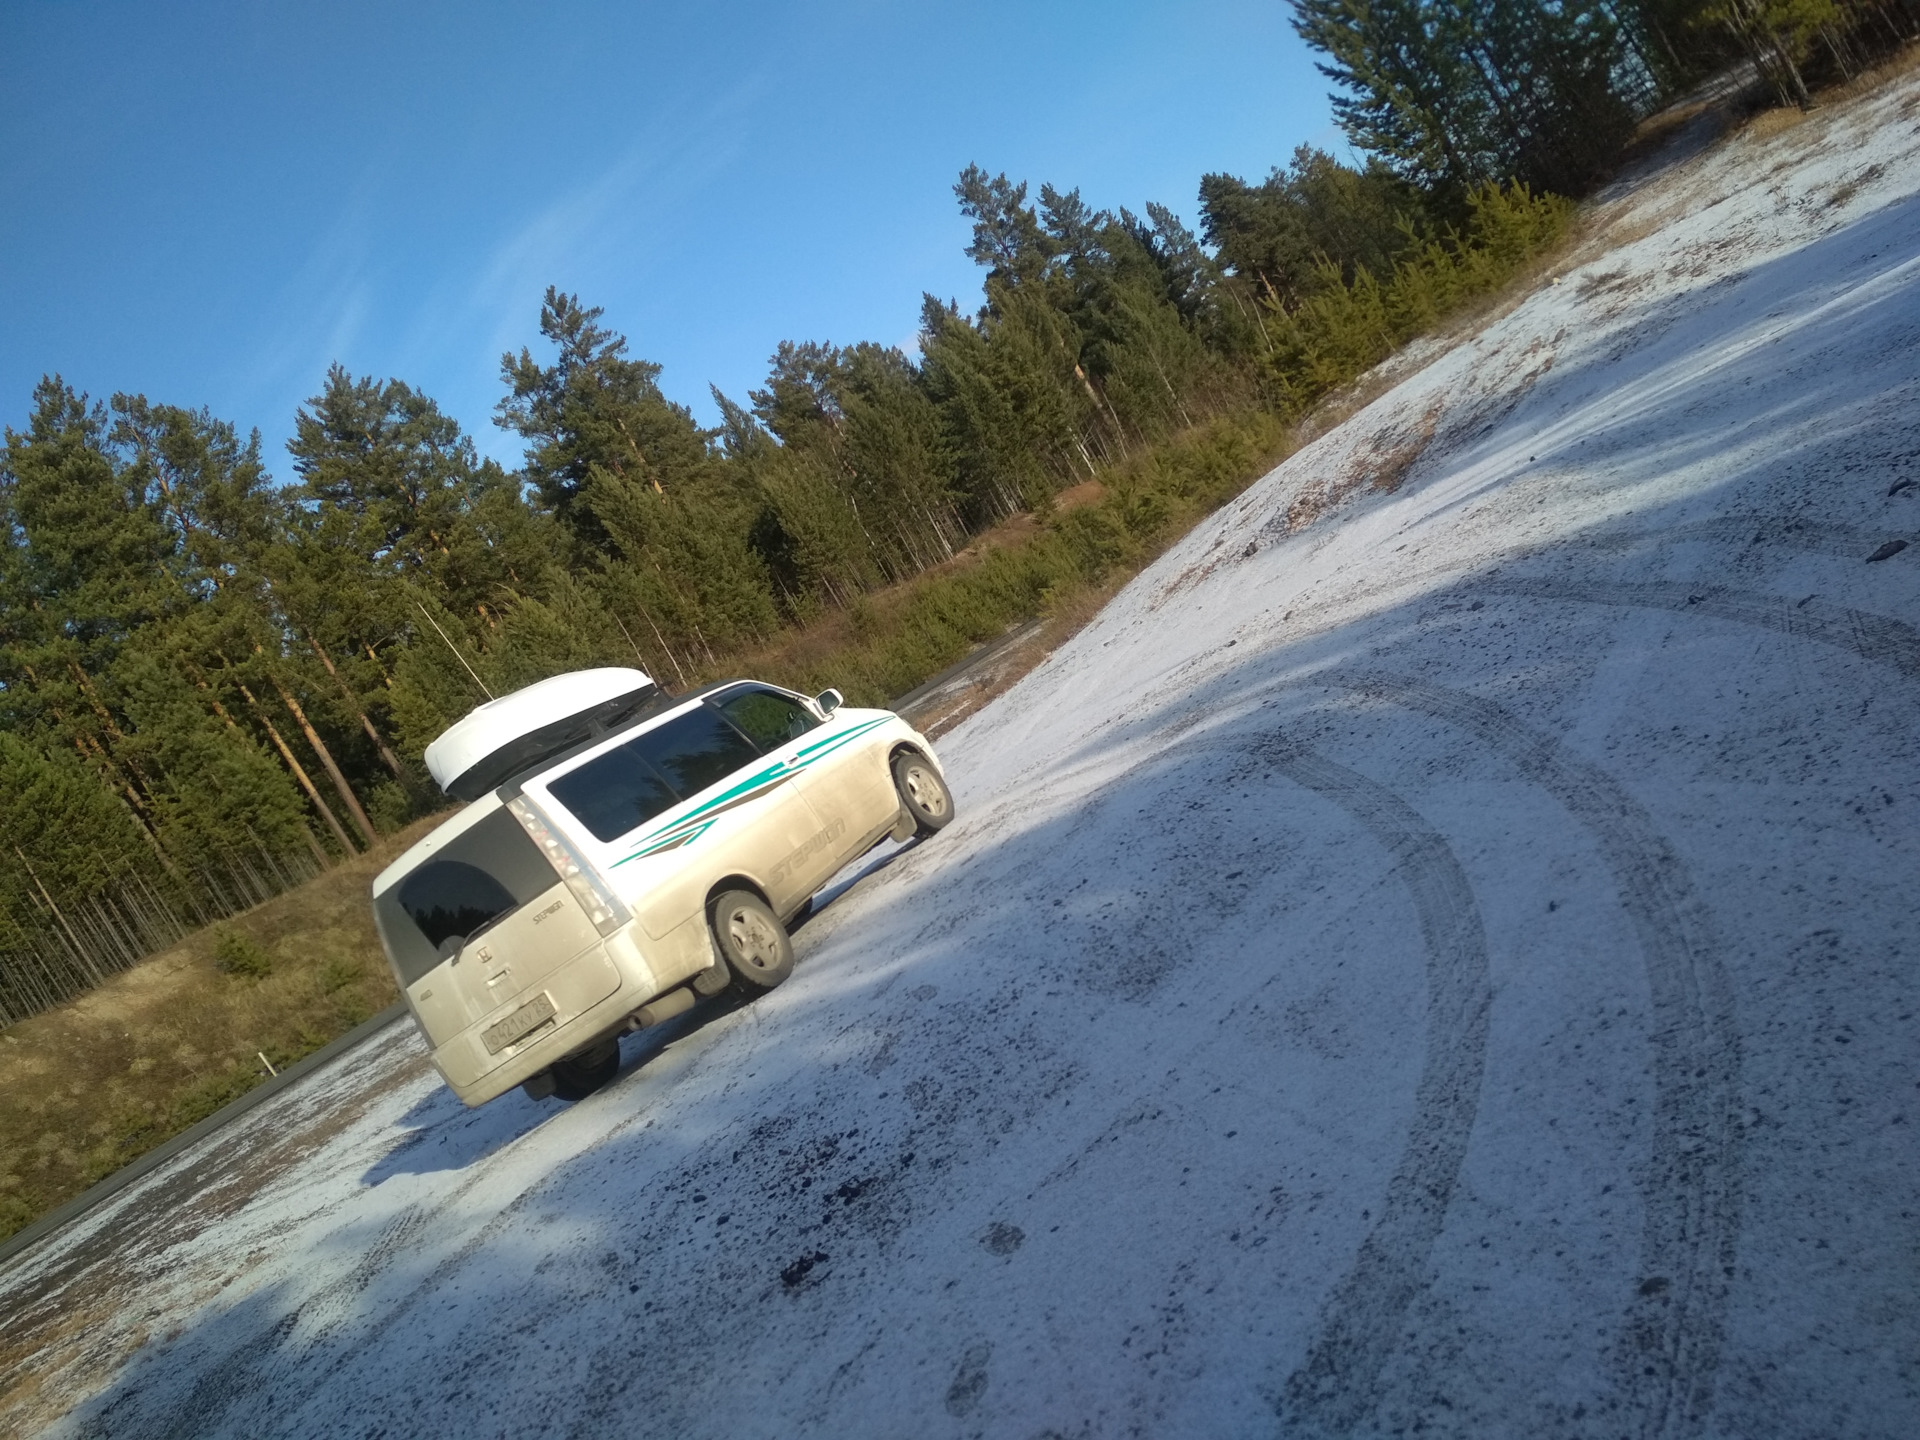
column 606, row 219
column 322, row 312
column 584, row 238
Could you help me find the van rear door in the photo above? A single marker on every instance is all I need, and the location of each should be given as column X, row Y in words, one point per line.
column 478, row 924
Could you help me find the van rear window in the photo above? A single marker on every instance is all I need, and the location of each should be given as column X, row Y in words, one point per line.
column 471, row 884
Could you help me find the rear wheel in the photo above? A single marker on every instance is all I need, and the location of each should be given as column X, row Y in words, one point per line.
column 752, row 940
column 578, row 1076
column 922, row 792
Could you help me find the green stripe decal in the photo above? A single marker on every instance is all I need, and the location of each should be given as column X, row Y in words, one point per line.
column 834, row 742
column 695, row 823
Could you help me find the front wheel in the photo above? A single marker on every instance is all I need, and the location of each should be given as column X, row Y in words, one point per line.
column 752, row 941
column 922, row 792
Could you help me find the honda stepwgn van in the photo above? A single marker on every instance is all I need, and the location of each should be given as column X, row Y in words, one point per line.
column 624, row 852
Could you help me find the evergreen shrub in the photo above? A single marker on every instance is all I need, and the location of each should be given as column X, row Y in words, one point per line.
column 236, row 954
column 1343, row 330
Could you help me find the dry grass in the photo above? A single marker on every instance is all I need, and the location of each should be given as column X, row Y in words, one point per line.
column 1765, row 124
column 1778, row 119
column 1844, row 191
column 1381, row 465
column 1902, row 62
column 89, row 1086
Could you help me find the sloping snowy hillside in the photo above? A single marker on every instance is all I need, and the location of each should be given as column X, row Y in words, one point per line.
column 1437, row 953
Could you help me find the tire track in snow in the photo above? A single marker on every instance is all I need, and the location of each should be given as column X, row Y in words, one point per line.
column 1691, row 1185
column 1360, row 1325
column 1337, row 1385
column 1879, row 638
column 1786, row 532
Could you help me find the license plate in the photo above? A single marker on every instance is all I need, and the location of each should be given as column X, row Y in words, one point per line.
column 517, row 1026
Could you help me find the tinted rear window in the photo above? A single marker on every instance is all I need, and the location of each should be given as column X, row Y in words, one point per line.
column 766, row 717
column 485, row 874
column 450, row 900
column 632, row 783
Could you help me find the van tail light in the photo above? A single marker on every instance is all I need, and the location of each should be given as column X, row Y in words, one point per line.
column 603, row 907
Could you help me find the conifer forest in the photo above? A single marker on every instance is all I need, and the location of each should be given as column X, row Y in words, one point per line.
column 219, row 667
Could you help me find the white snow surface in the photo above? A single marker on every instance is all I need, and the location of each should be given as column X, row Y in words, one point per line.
column 1447, row 966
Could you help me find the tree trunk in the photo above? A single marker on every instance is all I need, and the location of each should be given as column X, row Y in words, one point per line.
column 663, row 643
column 305, row 833
column 347, row 796
column 80, row 956
column 387, row 757
column 300, row 774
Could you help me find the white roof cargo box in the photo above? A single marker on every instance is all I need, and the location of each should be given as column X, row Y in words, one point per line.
column 509, row 736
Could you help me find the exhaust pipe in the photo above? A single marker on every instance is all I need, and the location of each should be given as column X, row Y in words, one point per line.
column 674, row 1002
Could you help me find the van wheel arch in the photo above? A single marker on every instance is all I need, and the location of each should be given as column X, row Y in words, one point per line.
column 731, row 882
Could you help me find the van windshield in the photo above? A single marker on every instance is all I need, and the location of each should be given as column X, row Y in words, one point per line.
column 470, row 885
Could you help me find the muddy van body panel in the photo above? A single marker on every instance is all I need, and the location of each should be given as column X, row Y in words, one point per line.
column 532, row 950
column 592, row 997
column 569, row 991
column 759, row 832
column 542, row 951
column 853, row 778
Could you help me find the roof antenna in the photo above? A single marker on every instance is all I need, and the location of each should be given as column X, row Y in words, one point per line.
column 624, row 631
column 456, row 650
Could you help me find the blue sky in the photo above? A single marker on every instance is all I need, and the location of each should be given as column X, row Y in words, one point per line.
column 210, row 204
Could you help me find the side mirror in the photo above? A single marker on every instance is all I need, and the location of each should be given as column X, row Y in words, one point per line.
column 829, row 701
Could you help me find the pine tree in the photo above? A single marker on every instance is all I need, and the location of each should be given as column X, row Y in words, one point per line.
column 858, row 422
column 1412, row 96
column 898, row 456
column 594, row 407
column 654, row 512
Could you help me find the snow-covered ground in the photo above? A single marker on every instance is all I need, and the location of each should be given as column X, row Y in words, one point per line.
column 1447, row 966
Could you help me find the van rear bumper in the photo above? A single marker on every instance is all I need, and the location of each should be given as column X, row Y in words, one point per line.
column 592, row 996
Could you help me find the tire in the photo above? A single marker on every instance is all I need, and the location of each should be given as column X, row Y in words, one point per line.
column 922, row 792
column 578, row 1076
column 752, row 941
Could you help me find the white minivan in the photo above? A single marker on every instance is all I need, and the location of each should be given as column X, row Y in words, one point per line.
column 623, row 852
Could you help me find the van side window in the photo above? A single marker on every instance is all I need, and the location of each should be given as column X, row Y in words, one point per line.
column 614, row 792
column 766, row 717
column 653, row 772
column 696, row 749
